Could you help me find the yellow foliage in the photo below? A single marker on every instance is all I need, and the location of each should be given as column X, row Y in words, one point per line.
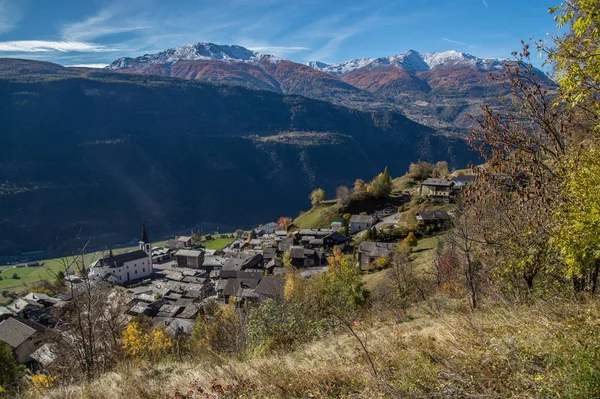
column 2, row 390
column 294, row 285
column 41, row 382
column 140, row 344
column 577, row 233
column 219, row 331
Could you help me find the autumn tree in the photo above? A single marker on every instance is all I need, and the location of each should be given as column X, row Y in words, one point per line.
column 577, row 233
column 513, row 196
column 317, row 196
column 343, row 196
column 575, row 57
column 360, row 186
column 441, row 169
column 381, row 185
column 284, row 222
column 411, row 241
column 420, row 170
column 145, row 342
column 220, row 331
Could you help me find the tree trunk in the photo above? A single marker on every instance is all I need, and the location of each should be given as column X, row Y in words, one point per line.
column 595, row 276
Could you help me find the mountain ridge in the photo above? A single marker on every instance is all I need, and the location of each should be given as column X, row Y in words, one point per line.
column 100, row 151
column 435, row 89
column 413, row 61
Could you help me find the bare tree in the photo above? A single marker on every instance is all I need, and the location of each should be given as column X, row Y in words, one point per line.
column 463, row 238
column 89, row 323
column 343, row 195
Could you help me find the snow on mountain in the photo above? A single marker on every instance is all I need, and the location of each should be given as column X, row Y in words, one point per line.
column 195, row 52
column 412, row 61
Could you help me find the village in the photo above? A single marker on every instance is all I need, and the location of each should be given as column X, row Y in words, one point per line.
column 173, row 284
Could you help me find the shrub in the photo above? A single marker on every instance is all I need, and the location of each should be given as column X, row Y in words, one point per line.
column 410, row 240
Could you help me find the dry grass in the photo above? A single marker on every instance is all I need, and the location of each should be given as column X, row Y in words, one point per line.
column 535, row 351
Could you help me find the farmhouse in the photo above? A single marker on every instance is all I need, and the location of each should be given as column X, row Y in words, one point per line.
column 24, row 337
column 361, row 222
column 369, row 251
column 185, row 240
column 437, row 217
column 190, row 258
column 436, row 187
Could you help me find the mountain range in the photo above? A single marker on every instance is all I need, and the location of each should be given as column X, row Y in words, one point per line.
column 94, row 151
column 435, row 89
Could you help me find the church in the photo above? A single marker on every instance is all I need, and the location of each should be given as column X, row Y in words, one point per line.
column 127, row 267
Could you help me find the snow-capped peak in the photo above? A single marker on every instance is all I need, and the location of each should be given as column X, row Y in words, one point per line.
column 195, row 52
column 412, row 61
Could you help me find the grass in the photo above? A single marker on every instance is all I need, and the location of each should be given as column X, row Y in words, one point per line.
column 319, row 216
column 422, row 255
column 544, row 350
column 32, row 275
column 217, row 243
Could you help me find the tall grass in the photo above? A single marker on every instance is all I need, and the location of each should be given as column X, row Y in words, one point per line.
column 545, row 350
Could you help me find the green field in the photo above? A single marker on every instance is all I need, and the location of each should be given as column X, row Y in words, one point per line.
column 217, row 243
column 422, row 256
column 319, row 216
column 31, row 275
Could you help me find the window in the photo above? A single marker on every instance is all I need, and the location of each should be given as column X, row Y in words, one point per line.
column 136, row 271
column 144, row 270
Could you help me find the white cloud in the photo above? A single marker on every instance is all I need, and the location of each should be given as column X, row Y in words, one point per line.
column 88, row 65
column 454, row 41
column 102, row 24
column 485, row 3
column 29, row 46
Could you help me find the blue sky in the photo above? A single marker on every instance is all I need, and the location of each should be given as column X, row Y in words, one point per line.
column 73, row 32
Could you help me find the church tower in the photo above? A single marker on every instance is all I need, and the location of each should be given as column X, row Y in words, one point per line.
column 146, row 245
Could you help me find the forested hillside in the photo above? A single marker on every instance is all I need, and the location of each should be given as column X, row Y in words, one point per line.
column 103, row 151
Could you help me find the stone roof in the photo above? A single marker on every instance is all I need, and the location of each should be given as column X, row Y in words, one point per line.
column 121, row 259
column 169, row 310
column 190, row 253
column 235, row 284
column 375, row 249
column 21, row 304
column 433, row 215
column 14, row 332
column 270, row 286
column 437, row 182
column 5, row 311
column 362, row 219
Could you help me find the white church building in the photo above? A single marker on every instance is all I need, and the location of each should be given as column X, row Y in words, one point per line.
column 123, row 268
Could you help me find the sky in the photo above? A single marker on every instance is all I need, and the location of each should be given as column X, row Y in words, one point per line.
column 96, row 32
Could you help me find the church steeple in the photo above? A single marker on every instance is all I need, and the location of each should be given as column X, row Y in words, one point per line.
column 145, row 238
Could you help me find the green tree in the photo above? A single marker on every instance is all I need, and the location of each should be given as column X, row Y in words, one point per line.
column 576, row 55
column 577, row 233
column 381, row 186
column 341, row 289
column 10, row 371
column 410, row 240
column 317, row 196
